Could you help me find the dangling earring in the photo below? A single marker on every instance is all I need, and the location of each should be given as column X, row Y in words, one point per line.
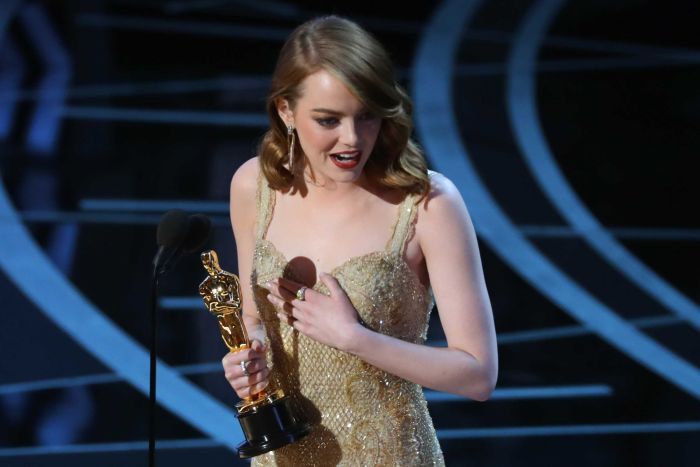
column 291, row 139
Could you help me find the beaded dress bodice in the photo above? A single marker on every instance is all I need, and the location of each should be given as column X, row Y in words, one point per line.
column 361, row 414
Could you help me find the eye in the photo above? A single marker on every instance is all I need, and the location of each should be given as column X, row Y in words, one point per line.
column 327, row 122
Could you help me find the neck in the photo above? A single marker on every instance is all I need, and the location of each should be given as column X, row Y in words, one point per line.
column 326, row 190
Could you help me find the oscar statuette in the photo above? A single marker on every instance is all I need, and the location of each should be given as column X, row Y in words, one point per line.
column 269, row 418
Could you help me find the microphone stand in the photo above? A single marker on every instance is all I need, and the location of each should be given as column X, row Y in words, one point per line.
column 162, row 264
column 152, row 377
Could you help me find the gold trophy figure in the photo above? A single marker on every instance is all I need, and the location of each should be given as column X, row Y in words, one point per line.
column 269, row 419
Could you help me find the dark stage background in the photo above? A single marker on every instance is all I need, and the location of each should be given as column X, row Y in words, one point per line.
column 571, row 129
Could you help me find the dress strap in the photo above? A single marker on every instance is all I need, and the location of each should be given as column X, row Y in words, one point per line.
column 404, row 224
column 265, row 199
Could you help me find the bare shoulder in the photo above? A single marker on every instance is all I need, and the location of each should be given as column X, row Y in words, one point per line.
column 244, row 181
column 242, row 203
column 443, row 204
column 445, row 234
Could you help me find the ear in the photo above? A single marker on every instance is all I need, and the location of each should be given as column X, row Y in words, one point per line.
column 284, row 110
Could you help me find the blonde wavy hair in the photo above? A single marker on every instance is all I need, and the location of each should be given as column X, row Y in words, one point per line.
column 357, row 59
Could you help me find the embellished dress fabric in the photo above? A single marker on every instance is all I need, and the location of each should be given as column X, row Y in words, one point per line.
column 361, row 414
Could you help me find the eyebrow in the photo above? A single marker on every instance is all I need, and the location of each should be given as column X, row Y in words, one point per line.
column 335, row 112
column 327, row 111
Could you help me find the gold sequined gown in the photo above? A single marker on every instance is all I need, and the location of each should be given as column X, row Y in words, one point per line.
column 362, row 415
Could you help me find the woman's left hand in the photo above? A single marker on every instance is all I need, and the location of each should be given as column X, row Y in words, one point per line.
column 330, row 320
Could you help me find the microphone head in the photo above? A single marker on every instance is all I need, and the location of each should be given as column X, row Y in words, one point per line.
column 198, row 229
column 172, row 229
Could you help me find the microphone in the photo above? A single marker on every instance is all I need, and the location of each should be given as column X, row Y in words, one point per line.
column 179, row 234
column 172, row 231
column 198, row 229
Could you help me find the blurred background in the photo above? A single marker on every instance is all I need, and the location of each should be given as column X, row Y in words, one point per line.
column 570, row 127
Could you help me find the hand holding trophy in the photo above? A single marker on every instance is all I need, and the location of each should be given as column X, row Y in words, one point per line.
column 269, row 419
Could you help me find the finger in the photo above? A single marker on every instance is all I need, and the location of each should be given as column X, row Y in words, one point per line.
column 283, row 288
column 259, row 387
column 298, row 314
column 232, row 360
column 302, row 304
column 241, row 381
column 280, row 304
column 289, row 289
column 233, row 372
column 257, row 377
column 248, row 354
column 255, row 366
column 225, row 359
column 235, row 376
column 284, row 317
column 299, row 326
column 332, row 283
column 289, row 285
column 287, row 295
column 250, row 390
column 243, row 373
column 257, row 346
column 230, row 375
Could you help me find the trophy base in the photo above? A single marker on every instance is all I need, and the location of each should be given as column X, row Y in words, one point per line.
column 269, row 425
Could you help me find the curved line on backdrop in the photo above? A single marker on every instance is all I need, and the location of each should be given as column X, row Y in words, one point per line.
column 28, row 267
column 524, row 119
column 44, row 285
column 436, row 124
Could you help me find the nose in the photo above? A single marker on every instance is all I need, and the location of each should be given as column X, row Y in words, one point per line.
column 349, row 136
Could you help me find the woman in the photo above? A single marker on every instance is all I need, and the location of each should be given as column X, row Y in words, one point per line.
column 343, row 238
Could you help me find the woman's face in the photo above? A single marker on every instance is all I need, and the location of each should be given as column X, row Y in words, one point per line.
column 336, row 132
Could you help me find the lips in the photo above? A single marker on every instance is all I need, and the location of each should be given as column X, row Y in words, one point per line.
column 346, row 159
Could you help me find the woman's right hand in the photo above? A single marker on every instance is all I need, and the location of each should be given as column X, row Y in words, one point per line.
column 256, row 367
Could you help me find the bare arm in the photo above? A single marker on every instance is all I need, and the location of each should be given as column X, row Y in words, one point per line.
column 242, row 209
column 243, row 212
